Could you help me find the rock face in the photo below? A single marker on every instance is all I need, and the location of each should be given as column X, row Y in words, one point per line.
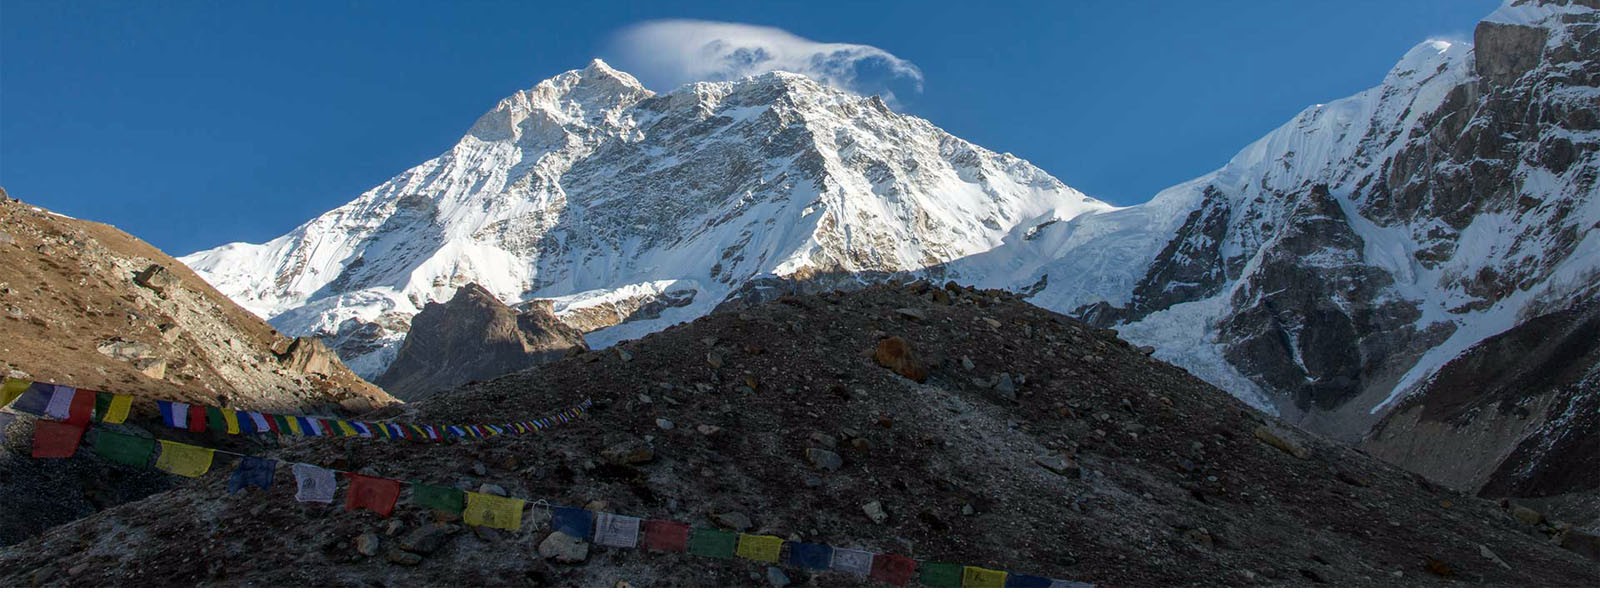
column 84, row 304
column 473, row 337
column 1335, row 267
column 1154, row 476
column 634, row 210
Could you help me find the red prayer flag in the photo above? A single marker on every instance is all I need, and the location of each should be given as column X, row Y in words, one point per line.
column 54, row 439
column 81, row 408
column 197, row 418
column 892, row 569
column 372, row 493
column 665, row 535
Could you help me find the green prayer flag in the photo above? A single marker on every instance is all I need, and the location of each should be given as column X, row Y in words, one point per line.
column 102, row 405
column 713, row 543
column 215, row 423
column 123, row 448
column 283, row 424
column 438, row 497
column 934, row 574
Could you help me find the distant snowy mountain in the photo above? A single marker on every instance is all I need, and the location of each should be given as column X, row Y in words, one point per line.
column 634, row 210
column 1334, row 266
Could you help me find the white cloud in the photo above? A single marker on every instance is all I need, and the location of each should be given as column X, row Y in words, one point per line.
column 666, row 54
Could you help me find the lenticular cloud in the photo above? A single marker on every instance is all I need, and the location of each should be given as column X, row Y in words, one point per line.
column 666, row 54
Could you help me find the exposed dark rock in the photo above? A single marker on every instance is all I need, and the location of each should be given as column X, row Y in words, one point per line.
column 473, row 337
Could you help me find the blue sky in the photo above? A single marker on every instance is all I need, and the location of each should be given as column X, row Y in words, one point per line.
column 193, row 124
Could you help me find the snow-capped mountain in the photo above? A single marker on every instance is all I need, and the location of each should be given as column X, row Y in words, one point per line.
column 1338, row 263
column 621, row 204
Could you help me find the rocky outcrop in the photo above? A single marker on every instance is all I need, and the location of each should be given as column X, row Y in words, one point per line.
column 86, row 305
column 475, row 337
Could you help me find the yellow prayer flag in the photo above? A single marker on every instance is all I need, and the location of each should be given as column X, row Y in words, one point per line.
column 294, row 425
column 345, row 428
column 760, row 548
column 118, row 411
column 12, row 388
column 231, row 417
column 183, row 459
column 979, row 577
column 485, row 510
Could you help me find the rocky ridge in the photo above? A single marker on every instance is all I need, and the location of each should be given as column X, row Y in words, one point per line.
column 1035, row 443
column 475, row 336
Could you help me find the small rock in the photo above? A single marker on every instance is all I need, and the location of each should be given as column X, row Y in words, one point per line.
column 826, row 460
column 1060, row 465
column 1485, row 552
column 823, row 439
column 489, row 488
column 428, row 538
column 912, row 314
column 1006, row 387
column 708, row 429
column 564, row 548
column 625, row 355
column 367, row 544
column 628, row 453
column 1200, row 537
column 401, row 557
column 874, row 510
column 665, row 424
column 777, row 578
column 966, row 363
column 714, row 359
column 1272, row 438
column 736, row 521
column 1525, row 515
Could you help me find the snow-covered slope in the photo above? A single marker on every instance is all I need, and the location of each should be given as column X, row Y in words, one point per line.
column 1334, row 264
column 589, row 188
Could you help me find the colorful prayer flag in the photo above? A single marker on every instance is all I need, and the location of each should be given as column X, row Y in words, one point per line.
column 575, row 522
column 855, row 562
column 447, row 499
column 252, row 472
column 183, row 459
column 1063, row 583
column 298, row 426
column 316, row 484
column 713, row 543
column 1014, row 580
column 197, row 418
column 944, row 575
column 485, row 510
column 60, row 406
column 215, row 421
column 616, row 530
column 52, row 439
column 260, row 422
column 80, row 409
column 760, row 548
column 123, row 448
column 5, row 421
column 893, row 569
column 11, row 388
column 372, row 493
column 344, row 428
column 230, row 421
column 816, row 557
column 174, row 414
column 117, row 410
column 35, row 399
column 979, row 577
column 667, row 536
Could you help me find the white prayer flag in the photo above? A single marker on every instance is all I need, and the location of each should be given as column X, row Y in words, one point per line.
column 60, row 406
column 316, row 484
column 852, row 561
column 616, row 530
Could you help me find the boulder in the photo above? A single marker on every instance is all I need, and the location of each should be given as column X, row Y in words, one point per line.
column 564, row 548
column 157, row 278
column 428, row 538
column 1272, row 438
column 895, row 353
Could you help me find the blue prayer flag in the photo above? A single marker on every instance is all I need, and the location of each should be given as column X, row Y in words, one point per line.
column 816, row 557
column 1014, row 580
column 575, row 522
column 35, row 399
column 252, row 471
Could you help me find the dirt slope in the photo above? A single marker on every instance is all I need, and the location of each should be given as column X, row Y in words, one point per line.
column 1155, row 478
column 80, row 305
